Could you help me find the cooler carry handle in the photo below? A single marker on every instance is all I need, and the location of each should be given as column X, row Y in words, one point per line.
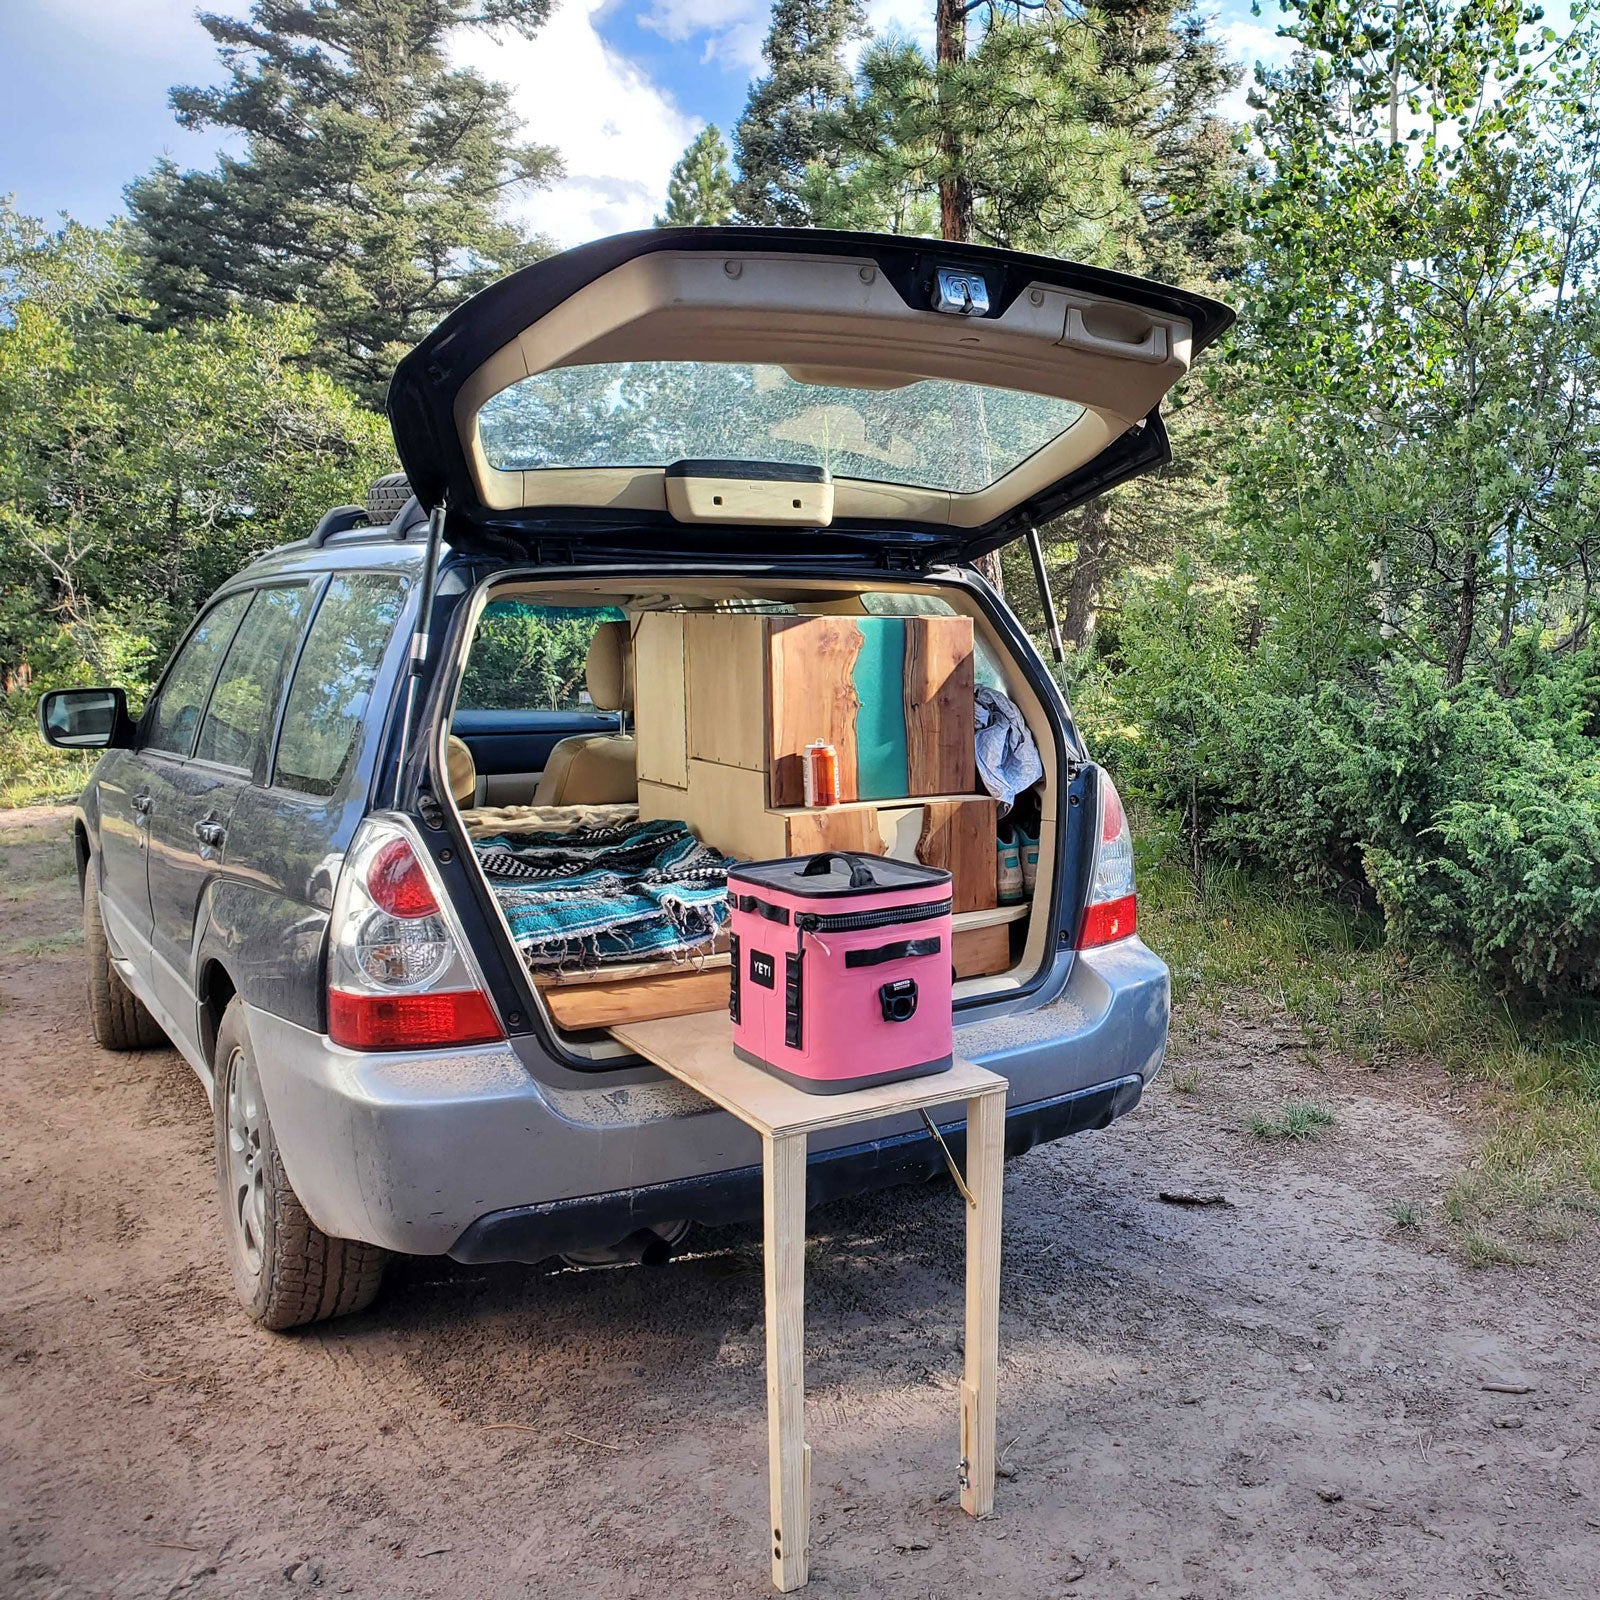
column 860, row 874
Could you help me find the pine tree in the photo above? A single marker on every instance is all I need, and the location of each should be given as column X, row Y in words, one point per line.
column 787, row 126
column 700, row 190
column 370, row 182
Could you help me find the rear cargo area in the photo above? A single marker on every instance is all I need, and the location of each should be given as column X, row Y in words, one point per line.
column 606, row 849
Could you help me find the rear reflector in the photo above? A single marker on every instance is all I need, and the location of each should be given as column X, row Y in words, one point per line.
column 1109, row 921
column 411, row 1021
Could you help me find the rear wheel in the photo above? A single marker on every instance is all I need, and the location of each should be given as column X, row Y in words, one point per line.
column 116, row 1014
column 286, row 1269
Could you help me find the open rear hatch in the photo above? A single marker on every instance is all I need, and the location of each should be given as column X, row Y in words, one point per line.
column 756, row 390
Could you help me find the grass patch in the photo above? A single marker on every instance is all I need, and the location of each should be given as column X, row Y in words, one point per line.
column 34, row 864
column 31, row 772
column 52, row 944
column 1186, row 1080
column 1294, row 1119
column 1405, row 1214
column 1485, row 1249
column 1328, row 966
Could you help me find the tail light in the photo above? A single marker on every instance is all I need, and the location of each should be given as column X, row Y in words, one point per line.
column 400, row 975
column 1113, row 909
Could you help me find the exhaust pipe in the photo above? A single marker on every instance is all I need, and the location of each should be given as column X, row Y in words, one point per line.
column 644, row 1247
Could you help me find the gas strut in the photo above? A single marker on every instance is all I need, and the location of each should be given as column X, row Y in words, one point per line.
column 1036, row 550
column 419, row 639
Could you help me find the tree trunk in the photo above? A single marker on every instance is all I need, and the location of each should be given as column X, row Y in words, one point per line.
column 1081, row 609
column 1466, row 618
column 955, row 193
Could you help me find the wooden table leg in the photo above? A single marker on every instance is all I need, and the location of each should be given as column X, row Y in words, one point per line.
column 788, row 1455
column 986, row 1132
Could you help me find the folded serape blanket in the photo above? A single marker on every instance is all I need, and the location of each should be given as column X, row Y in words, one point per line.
column 631, row 892
column 484, row 821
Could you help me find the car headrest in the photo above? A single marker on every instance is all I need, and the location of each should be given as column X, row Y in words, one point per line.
column 461, row 770
column 609, row 668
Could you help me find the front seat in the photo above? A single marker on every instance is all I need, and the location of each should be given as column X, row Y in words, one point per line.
column 461, row 771
column 597, row 769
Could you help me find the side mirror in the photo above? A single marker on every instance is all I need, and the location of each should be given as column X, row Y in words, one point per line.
column 85, row 719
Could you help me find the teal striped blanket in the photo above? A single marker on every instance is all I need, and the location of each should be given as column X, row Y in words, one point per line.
column 636, row 892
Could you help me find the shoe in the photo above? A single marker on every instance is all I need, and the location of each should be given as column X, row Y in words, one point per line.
column 1008, row 860
column 1029, row 847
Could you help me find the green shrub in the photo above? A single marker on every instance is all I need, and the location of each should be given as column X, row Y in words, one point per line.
column 1469, row 814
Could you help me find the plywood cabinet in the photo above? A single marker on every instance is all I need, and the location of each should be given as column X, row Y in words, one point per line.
column 893, row 695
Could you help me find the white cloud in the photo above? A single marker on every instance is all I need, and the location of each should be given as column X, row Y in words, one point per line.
column 618, row 132
column 733, row 30
column 912, row 18
column 1251, row 42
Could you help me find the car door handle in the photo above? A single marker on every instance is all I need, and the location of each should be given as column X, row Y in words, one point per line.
column 141, row 806
column 210, row 833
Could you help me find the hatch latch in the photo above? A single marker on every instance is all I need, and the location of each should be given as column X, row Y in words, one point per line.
column 961, row 293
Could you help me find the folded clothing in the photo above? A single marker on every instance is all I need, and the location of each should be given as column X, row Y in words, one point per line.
column 1008, row 759
column 588, row 896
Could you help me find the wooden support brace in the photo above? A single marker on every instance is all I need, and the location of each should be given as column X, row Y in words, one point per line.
column 788, row 1454
column 986, row 1128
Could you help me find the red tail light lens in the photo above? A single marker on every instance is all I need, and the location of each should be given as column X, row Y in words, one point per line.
column 397, row 882
column 1113, row 909
column 410, row 1021
column 1109, row 921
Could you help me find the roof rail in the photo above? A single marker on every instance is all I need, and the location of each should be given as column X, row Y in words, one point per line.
column 340, row 520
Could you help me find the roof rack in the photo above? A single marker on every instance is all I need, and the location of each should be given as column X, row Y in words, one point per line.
column 340, row 520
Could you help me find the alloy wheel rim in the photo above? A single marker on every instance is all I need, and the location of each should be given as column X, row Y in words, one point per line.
column 247, row 1194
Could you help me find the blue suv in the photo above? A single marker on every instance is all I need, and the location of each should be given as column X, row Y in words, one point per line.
column 278, row 855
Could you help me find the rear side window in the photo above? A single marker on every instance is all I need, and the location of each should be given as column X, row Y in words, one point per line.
column 176, row 713
column 239, row 718
column 531, row 657
column 333, row 682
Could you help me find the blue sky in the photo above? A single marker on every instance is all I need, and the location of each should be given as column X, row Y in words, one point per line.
column 619, row 86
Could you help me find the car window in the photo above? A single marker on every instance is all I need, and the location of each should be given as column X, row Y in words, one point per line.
column 238, row 720
column 527, row 657
column 333, row 681
column 176, row 713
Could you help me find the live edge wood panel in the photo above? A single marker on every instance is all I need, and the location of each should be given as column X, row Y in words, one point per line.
column 809, row 678
column 939, row 693
column 759, row 689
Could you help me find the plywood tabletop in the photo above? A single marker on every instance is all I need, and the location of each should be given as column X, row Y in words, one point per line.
column 698, row 1050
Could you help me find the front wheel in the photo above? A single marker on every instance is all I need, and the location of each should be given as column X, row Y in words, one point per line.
column 286, row 1269
column 116, row 1013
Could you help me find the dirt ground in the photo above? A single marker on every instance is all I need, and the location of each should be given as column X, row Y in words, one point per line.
column 1286, row 1395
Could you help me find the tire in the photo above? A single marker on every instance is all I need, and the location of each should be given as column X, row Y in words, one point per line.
column 287, row 1271
column 116, row 1014
column 387, row 497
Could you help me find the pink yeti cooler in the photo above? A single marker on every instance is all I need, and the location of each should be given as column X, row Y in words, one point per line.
column 841, row 969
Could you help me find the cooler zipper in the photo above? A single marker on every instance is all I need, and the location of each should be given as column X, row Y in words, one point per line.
column 852, row 921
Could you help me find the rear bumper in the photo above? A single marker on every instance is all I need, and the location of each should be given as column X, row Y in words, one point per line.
column 485, row 1155
column 533, row 1233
